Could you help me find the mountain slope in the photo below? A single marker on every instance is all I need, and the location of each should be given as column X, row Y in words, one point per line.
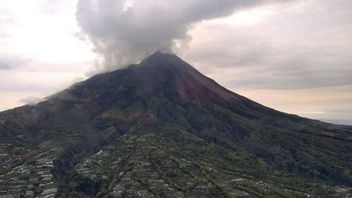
column 162, row 129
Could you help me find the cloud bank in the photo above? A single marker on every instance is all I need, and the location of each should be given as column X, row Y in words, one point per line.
column 303, row 45
column 8, row 62
column 124, row 31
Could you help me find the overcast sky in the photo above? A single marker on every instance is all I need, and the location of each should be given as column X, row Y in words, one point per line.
column 294, row 56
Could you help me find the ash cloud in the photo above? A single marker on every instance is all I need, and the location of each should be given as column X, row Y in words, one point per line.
column 125, row 31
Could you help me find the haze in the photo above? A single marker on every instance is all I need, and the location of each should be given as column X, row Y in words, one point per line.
column 293, row 56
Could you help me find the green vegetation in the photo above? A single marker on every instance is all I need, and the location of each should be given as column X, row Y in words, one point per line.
column 155, row 131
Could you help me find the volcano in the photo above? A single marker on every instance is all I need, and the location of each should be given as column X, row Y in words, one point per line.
column 160, row 128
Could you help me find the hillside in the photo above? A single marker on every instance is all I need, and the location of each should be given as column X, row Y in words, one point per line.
column 162, row 129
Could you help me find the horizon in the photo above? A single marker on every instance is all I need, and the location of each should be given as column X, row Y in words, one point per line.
column 265, row 51
column 332, row 121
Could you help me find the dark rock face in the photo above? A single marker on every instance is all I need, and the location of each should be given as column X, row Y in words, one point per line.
column 162, row 129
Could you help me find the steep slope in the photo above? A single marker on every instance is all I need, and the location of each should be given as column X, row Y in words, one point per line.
column 162, row 129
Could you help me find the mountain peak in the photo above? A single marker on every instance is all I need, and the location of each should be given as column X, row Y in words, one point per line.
column 159, row 54
column 160, row 59
column 167, row 72
column 167, row 75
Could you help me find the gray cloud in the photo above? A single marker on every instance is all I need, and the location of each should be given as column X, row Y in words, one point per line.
column 124, row 33
column 12, row 62
column 11, row 87
column 304, row 45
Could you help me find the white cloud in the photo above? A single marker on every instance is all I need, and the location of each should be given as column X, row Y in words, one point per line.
column 124, row 32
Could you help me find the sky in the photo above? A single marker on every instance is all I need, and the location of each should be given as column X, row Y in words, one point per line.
column 293, row 55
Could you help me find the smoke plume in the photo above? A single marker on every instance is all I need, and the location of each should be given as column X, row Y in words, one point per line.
column 125, row 31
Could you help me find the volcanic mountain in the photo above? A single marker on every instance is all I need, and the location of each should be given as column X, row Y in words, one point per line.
column 160, row 128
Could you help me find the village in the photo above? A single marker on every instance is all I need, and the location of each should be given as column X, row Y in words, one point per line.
column 20, row 178
column 133, row 166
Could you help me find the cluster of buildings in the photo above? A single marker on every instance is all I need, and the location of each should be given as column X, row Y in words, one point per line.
column 24, row 176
